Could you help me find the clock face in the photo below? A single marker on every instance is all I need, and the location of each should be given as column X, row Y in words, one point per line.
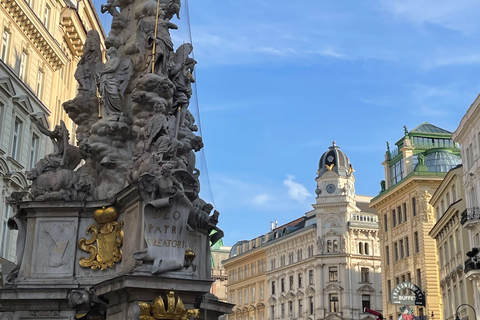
column 331, row 188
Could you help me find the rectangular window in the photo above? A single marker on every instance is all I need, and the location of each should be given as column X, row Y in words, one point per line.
column 253, row 269
column 414, row 207
column 385, row 222
column 240, row 298
column 272, row 311
column 291, row 283
column 402, row 250
column 407, row 247
column 333, row 274
column 273, row 287
column 395, row 245
column 333, row 297
column 4, row 232
column 394, row 218
column 290, row 309
column 33, row 150
column 416, row 242
column 300, row 308
column 17, row 131
column 40, row 84
column 419, row 278
column 454, row 194
column 253, row 294
column 365, row 275
column 282, row 310
column 261, row 291
column 5, row 45
column 46, row 17
column 387, row 254
column 246, row 295
column 389, row 288
column 300, row 277
column 404, row 212
column 282, row 285
column 246, row 271
column 232, row 298
column 310, row 303
column 365, row 301
column 23, row 66
column 399, row 212
column 310, row 277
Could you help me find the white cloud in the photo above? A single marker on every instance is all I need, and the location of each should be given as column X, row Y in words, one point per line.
column 296, row 190
column 262, row 199
column 459, row 15
column 330, row 52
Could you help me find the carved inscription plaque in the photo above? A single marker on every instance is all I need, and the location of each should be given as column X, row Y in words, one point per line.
column 165, row 234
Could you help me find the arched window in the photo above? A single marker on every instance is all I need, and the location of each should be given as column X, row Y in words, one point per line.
column 335, row 245
column 360, row 248
column 329, row 246
column 366, row 248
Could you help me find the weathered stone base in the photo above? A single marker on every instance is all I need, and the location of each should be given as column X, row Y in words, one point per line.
column 50, row 283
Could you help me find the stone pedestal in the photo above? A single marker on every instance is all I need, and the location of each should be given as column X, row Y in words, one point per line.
column 50, row 282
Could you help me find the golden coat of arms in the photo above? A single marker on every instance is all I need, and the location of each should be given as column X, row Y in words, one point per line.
column 174, row 309
column 108, row 238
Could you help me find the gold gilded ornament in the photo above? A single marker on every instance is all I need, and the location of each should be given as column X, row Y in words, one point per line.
column 108, row 237
column 174, row 310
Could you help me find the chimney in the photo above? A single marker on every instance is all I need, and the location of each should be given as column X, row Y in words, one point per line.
column 271, row 225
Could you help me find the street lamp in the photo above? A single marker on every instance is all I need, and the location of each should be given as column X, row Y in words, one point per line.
column 465, row 304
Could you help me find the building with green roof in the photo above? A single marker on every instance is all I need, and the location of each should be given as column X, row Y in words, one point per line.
column 414, row 168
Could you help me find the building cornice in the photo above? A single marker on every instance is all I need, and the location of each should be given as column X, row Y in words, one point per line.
column 34, row 29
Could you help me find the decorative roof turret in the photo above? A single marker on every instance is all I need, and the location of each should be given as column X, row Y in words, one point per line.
column 335, row 160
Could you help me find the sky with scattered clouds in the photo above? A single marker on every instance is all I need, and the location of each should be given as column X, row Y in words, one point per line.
column 278, row 81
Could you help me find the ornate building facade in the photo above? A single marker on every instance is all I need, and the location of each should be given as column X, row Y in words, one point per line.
column 325, row 264
column 413, row 172
column 468, row 136
column 219, row 274
column 452, row 245
column 247, row 285
column 41, row 44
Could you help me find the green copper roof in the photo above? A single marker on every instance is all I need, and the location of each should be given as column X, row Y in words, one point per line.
column 429, row 128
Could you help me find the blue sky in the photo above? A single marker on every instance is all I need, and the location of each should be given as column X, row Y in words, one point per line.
column 277, row 81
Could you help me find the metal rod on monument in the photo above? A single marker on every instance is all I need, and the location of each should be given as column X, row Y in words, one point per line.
column 99, row 100
column 155, row 37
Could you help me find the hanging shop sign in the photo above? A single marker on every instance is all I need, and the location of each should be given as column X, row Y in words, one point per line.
column 415, row 296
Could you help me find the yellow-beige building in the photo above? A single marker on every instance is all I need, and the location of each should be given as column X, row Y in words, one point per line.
column 452, row 245
column 247, row 281
column 413, row 172
column 41, row 43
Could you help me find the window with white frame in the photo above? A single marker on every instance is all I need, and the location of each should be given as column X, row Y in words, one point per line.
column 33, row 150
column 4, row 232
column 5, row 44
column 46, row 17
column 333, row 297
column 22, row 66
column 40, row 78
column 17, row 131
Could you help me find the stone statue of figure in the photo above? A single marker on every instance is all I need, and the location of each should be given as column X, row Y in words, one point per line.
column 181, row 69
column 382, row 185
column 405, row 130
column 158, row 133
column 421, row 160
column 90, row 64
column 64, row 155
column 424, row 206
column 388, row 147
column 114, row 80
column 163, row 42
column 118, row 23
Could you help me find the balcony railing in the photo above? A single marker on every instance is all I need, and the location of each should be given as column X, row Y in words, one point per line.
column 471, row 214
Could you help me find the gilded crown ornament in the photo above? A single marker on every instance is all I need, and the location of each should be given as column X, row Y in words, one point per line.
column 104, row 245
column 174, row 310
